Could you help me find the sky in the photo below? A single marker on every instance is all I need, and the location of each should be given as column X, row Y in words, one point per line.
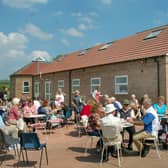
column 47, row 28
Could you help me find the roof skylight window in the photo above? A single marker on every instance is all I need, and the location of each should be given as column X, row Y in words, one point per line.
column 153, row 34
column 83, row 52
column 105, row 46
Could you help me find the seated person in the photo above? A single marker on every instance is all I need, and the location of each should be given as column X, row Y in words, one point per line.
column 151, row 126
column 44, row 108
column 15, row 116
column 127, row 113
column 93, row 128
column 28, row 110
column 53, row 119
column 160, row 107
column 86, row 111
column 8, row 131
column 111, row 120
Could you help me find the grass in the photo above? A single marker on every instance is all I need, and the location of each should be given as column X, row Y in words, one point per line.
column 5, row 83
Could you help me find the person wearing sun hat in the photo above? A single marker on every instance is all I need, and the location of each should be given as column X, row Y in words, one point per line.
column 111, row 120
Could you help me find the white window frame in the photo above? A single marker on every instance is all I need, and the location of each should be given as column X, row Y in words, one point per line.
column 23, row 86
column 36, row 89
column 48, row 94
column 62, row 85
column 94, row 85
column 74, row 86
column 121, row 84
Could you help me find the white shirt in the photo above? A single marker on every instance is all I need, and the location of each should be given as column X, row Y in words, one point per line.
column 111, row 120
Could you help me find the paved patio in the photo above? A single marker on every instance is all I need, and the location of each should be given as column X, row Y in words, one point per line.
column 66, row 150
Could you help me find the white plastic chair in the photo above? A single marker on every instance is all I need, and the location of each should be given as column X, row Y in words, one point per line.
column 110, row 133
column 155, row 141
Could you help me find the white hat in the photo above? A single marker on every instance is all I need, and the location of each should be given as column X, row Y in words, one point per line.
column 109, row 108
column 15, row 100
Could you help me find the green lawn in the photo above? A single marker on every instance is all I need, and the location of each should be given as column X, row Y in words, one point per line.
column 4, row 83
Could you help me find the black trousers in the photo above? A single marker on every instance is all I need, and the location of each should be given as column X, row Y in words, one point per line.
column 131, row 132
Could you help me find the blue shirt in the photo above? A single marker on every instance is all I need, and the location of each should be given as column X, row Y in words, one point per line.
column 147, row 120
column 160, row 110
column 2, row 125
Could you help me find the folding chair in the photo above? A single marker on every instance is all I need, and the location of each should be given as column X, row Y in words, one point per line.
column 30, row 141
column 110, row 134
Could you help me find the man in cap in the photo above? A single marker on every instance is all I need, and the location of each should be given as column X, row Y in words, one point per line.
column 127, row 113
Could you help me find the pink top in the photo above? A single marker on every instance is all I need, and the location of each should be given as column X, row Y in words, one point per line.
column 14, row 113
column 29, row 110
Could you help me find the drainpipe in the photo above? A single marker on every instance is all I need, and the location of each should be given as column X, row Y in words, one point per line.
column 70, row 89
column 157, row 60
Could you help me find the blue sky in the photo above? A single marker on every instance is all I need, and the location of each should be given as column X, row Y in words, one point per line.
column 31, row 28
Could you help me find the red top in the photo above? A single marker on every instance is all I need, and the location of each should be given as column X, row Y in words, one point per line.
column 86, row 110
column 14, row 113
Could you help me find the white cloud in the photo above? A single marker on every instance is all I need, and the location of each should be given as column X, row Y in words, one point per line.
column 37, row 32
column 40, row 53
column 82, row 27
column 12, row 45
column 12, row 53
column 73, row 32
column 106, row 2
column 65, row 42
column 23, row 3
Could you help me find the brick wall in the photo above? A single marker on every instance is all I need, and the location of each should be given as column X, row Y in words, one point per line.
column 17, row 84
column 142, row 78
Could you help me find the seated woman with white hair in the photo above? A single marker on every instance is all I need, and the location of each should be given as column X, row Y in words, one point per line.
column 15, row 117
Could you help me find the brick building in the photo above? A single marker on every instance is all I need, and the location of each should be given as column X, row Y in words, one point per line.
column 135, row 64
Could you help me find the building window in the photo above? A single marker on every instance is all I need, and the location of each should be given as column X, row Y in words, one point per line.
column 61, row 84
column 95, row 83
column 47, row 90
column 75, row 84
column 121, row 84
column 153, row 34
column 26, row 87
column 36, row 89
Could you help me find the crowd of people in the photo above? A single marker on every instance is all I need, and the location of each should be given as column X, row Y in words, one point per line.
column 93, row 114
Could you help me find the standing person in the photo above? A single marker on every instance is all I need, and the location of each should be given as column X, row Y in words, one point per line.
column 127, row 113
column 77, row 102
column 151, row 126
column 96, row 94
column 59, row 97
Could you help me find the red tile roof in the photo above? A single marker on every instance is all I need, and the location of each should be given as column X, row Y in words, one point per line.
column 130, row 48
column 31, row 69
